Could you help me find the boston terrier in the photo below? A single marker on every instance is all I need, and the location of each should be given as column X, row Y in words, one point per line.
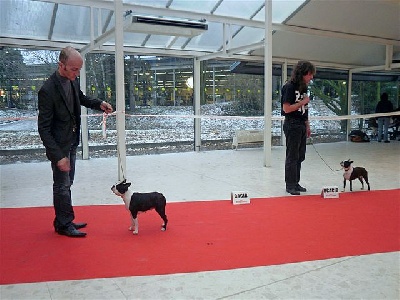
column 351, row 173
column 140, row 202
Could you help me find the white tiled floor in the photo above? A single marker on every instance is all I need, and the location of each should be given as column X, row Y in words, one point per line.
column 212, row 176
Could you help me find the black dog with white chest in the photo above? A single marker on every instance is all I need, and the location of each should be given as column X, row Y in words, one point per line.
column 351, row 173
column 140, row 202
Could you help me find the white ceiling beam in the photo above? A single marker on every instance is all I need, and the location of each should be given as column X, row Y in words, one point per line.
column 37, row 44
column 229, row 53
column 54, row 45
column 395, row 66
column 375, row 68
column 106, row 4
column 99, row 41
column 335, row 34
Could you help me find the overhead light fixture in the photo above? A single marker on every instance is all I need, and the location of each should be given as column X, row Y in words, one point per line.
column 164, row 26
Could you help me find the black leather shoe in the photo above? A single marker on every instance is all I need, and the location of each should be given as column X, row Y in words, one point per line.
column 300, row 188
column 79, row 225
column 71, row 232
column 293, row 191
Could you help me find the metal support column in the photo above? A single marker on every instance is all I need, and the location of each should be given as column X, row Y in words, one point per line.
column 196, row 100
column 84, row 118
column 349, row 86
column 119, row 88
column 268, row 83
column 283, row 81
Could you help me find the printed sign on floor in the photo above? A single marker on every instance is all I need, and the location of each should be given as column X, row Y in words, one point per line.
column 240, row 197
column 330, row 192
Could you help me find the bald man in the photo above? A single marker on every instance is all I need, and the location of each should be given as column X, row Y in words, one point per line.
column 59, row 102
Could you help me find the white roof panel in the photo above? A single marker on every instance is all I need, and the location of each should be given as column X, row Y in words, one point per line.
column 358, row 17
column 350, row 33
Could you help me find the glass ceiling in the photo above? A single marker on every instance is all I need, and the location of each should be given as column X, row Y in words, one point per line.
column 337, row 34
column 65, row 22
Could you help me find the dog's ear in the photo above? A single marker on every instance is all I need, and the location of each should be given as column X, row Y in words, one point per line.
column 350, row 161
column 128, row 184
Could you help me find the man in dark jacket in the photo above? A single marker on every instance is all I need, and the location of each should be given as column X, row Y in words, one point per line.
column 384, row 106
column 59, row 102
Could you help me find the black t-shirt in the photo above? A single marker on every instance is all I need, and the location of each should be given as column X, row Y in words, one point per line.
column 291, row 95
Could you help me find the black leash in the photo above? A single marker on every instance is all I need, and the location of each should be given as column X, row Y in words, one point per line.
column 312, row 143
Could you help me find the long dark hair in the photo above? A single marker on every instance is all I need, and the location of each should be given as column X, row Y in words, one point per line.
column 302, row 68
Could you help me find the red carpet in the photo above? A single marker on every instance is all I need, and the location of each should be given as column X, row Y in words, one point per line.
column 201, row 236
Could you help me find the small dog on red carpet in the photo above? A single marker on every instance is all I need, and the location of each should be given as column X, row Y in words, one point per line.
column 140, row 202
column 351, row 173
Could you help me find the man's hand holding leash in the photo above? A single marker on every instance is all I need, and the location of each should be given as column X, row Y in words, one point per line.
column 106, row 107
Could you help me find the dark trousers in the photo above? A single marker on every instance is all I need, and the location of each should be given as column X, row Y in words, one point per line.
column 296, row 138
column 62, row 202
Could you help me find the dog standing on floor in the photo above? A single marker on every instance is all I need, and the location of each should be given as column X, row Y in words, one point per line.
column 351, row 173
column 140, row 202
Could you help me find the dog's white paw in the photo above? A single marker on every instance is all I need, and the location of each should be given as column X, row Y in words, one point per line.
column 163, row 229
column 130, row 228
column 135, row 232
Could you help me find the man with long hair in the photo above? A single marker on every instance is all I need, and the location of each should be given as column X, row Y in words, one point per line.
column 296, row 125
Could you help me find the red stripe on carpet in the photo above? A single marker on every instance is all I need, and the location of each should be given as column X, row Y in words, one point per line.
column 202, row 236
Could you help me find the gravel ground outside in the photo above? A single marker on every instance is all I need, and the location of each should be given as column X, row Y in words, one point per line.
column 151, row 130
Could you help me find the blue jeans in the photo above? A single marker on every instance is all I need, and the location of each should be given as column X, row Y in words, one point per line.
column 383, row 126
column 296, row 139
column 62, row 201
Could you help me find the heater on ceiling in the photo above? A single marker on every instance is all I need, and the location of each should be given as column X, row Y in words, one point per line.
column 164, row 26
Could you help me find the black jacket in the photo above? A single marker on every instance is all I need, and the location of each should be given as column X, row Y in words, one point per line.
column 59, row 125
column 384, row 106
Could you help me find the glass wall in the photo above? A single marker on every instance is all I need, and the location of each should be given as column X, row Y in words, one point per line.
column 329, row 99
column 366, row 95
column 159, row 102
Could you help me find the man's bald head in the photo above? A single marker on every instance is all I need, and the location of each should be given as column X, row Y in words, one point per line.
column 70, row 63
column 68, row 53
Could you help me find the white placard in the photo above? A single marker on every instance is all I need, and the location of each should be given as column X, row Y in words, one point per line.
column 240, row 197
column 330, row 192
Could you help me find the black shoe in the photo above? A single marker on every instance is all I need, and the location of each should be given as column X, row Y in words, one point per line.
column 79, row 225
column 387, row 141
column 71, row 232
column 300, row 188
column 293, row 191
column 76, row 225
